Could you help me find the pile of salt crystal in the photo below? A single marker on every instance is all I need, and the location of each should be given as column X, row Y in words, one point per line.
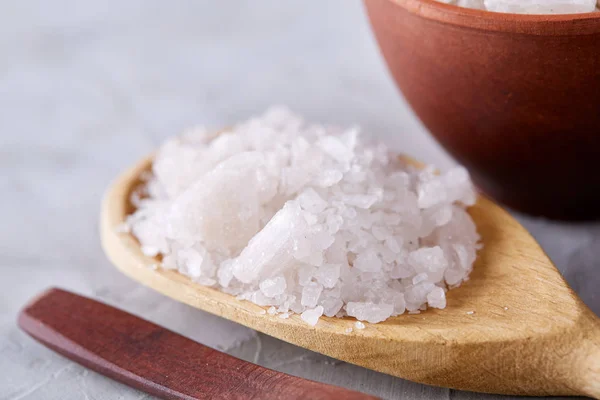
column 307, row 219
column 530, row 6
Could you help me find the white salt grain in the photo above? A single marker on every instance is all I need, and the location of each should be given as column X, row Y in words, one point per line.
column 311, row 293
column 312, row 315
column 305, row 274
column 541, row 6
column 150, row 251
column 273, row 287
column 359, row 325
column 311, row 201
column 476, row 4
column 530, row 6
column 369, row 312
column 306, row 219
column 328, row 275
column 331, row 306
column 437, row 298
column 368, row 261
column 470, row 312
column 348, row 330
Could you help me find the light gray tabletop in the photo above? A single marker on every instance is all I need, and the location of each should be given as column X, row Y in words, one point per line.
column 87, row 87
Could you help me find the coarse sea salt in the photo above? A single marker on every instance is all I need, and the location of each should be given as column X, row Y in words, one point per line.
column 306, row 219
column 530, row 6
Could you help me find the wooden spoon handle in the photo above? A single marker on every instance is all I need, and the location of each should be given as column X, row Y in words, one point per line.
column 153, row 359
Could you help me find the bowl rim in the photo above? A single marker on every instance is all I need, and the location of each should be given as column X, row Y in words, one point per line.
column 531, row 24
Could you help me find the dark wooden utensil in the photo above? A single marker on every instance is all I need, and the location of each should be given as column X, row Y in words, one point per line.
column 153, row 359
column 515, row 98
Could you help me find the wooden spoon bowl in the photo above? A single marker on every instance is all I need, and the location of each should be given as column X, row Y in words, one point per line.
column 514, row 328
column 514, row 98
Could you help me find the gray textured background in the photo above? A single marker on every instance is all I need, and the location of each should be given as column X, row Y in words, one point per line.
column 87, row 87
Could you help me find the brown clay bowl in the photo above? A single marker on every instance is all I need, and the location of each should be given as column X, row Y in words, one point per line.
column 515, row 98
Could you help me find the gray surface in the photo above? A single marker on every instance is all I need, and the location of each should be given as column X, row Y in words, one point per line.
column 88, row 87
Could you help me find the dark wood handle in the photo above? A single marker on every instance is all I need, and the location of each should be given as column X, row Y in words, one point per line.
column 153, row 359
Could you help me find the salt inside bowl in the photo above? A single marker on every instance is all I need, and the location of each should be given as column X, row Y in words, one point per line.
column 307, row 219
column 530, row 6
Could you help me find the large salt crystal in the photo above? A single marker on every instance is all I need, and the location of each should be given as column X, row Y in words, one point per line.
column 305, row 274
column 436, row 298
column 311, row 293
column 368, row 261
column 331, row 306
column 458, row 186
column 369, row 312
column 399, row 304
column 196, row 262
column 328, row 275
column 257, row 297
column 149, row 229
column 401, row 270
column 271, row 248
column 273, row 287
column 311, row 316
column 179, row 164
column 225, row 273
column 416, row 295
column 431, row 261
column 306, row 219
column 431, row 193
column 310, row 200
column 221, row 209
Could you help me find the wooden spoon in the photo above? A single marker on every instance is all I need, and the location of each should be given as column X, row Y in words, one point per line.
column 514, row 328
